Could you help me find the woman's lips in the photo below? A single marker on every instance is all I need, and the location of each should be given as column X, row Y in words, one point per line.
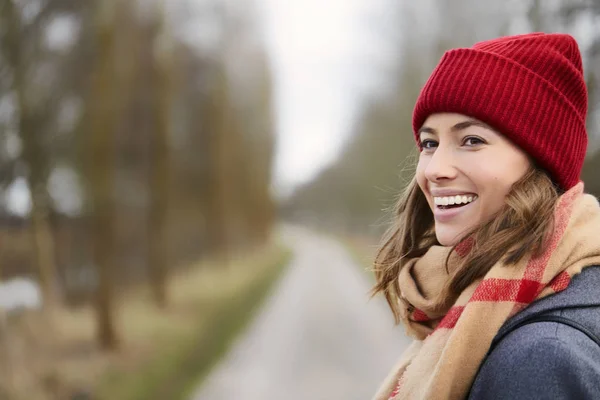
column 447, row 214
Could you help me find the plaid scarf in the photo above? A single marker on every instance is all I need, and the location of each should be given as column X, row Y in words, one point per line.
column 451, row 344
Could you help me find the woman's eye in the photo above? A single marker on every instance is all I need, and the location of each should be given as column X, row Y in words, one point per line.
column 428, row 144
column 472, row 141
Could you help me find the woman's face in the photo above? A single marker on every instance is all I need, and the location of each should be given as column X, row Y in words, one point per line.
column 465, row 170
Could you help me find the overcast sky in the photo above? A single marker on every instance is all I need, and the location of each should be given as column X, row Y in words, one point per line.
column 324, row 55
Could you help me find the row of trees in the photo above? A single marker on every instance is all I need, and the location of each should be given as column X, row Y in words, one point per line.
column 142, row 151
column 379, row 158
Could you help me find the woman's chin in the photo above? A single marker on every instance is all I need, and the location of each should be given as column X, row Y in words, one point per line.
column 447, row 236
column 447, row 242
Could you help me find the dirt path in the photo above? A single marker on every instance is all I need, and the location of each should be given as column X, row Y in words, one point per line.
column 317, row 338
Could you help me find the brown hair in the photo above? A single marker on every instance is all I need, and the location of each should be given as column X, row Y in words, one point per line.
column 522, row 225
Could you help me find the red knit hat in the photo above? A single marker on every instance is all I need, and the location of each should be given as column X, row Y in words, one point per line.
column 529, row 87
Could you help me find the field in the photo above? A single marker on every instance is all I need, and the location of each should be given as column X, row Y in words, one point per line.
column 163, row 354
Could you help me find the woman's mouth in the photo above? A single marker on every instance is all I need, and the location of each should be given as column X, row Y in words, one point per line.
column 449, row 207
column 451, row 202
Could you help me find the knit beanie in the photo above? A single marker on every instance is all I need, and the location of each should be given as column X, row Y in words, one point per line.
column 529, row 87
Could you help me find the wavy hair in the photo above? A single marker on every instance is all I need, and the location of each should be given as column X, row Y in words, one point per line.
column 522, row 225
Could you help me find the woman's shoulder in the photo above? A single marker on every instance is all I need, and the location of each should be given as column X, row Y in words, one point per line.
column 540, row 360
column 578, row 303
column 550, row 348
column 550, row 341
column 566, row 320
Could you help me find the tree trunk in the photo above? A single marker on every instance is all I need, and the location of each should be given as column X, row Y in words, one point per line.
column 159, row 165
column 101, row 153
column 219, row 131
column 43, row 239
column 33, row 155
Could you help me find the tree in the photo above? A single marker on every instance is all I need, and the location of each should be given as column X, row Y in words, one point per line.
column 160, row 160
column 102, row 121
column 20, row 47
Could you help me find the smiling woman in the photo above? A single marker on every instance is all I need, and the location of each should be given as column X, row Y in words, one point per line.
column 463, row 157
column 492, row 260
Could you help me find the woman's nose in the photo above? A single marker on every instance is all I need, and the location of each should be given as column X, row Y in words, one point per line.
column 441, row 165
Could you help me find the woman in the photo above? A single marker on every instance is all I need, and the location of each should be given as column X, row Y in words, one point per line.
column 490, row 263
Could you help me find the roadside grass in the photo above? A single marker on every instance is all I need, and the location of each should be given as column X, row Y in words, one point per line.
column 211, row 306
column 163, row 354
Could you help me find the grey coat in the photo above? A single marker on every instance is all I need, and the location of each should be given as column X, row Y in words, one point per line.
column 548, row 360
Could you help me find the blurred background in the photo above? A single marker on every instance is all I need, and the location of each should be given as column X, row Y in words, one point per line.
column 150, row 151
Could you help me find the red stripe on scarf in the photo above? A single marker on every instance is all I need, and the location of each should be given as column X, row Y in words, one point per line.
column 531, row 284
column 537, row 266
column 560, row 282
column 528, row 291
column 464, row 247
column 419, row 316
column 495, row 289
column 449, row 321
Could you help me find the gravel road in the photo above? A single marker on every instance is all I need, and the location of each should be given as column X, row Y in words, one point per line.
column 318, row 336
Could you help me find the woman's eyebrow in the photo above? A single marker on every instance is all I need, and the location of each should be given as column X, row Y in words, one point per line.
column 426, row 129
column 455, row 128
column 465, row 124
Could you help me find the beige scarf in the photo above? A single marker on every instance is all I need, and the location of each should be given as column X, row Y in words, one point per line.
column 451, row 344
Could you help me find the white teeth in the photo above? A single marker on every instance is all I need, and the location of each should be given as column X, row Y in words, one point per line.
column 451, row 200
